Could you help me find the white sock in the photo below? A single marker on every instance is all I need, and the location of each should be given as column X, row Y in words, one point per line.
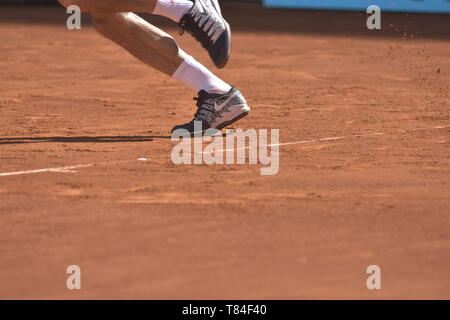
column 196, row 76
column 173, row 9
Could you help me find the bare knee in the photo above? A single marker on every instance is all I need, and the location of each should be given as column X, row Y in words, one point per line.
column 169, row 44
column 133, row 32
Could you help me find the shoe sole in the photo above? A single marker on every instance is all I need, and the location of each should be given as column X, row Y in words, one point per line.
column 237, row 118
column 214, row 131
column 227, row 26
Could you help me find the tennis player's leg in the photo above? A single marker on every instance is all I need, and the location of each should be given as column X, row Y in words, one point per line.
column 218, row 103
column 201, row 18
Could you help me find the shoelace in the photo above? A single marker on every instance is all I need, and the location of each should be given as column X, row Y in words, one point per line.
column 202, row 111
column 188, row 24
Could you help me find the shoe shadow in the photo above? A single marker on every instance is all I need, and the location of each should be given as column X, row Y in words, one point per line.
column 81, row 139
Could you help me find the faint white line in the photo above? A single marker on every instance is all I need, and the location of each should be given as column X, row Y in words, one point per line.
column 67, row 169
column 279, row 144
column 57, row 169
column 305, row 141
column 326, row 139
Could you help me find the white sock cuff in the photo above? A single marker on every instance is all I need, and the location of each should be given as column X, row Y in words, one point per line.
column 196, row 76
column 173, row 9
column 182, row 67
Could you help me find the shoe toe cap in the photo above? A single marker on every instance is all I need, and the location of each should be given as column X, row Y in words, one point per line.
column 220, row 51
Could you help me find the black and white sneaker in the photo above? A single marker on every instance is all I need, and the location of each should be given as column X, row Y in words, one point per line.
column 205, row 23
column 216, row 111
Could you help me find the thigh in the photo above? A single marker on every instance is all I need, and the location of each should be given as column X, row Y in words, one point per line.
column 111, row 5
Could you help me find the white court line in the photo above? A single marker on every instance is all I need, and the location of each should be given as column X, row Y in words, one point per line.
column 278, row 144
column 69, row 169
column 325, row 139
column 57, row 169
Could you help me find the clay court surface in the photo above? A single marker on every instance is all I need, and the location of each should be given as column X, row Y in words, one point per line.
column 380, row 194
